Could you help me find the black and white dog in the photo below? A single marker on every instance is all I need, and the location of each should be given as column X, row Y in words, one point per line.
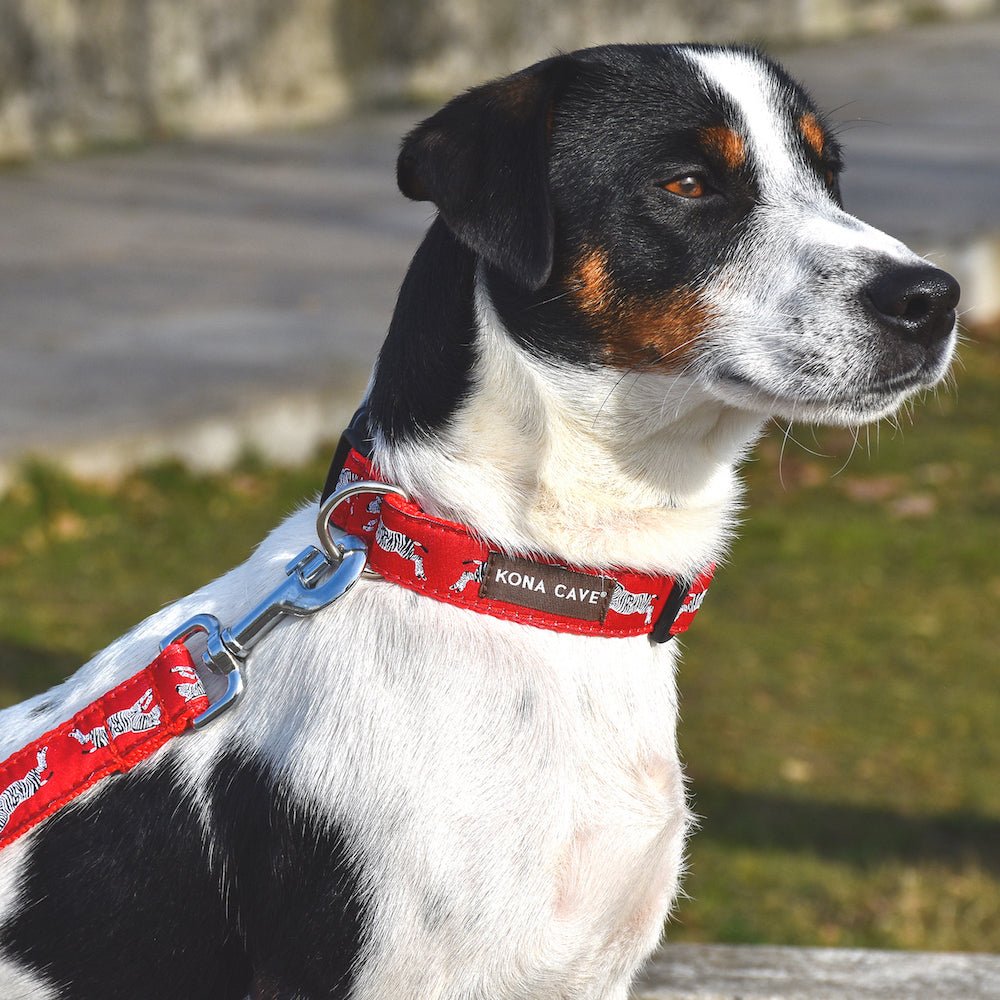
column 640, row 255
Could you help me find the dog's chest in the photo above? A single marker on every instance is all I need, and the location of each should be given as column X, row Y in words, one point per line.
column 617, row 863
column 526, row 810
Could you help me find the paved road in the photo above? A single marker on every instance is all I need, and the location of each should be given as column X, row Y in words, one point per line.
column 142, row 294
column 920, row 116
column 193, row 297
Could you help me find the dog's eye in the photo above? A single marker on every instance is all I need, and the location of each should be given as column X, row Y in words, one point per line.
column 687, row 186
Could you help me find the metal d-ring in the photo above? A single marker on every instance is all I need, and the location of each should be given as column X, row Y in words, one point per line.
column 331, row 537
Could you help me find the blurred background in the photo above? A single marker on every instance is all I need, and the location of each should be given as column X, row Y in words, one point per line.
column 200, row 246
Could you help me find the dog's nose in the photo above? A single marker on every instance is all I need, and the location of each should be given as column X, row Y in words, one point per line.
column 916, row 302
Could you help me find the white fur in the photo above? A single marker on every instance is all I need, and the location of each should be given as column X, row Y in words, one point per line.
column 598, row 469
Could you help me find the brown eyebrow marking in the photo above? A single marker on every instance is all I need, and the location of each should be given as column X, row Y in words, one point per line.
column 637, row 333
column 812, row 132
column 726, row 143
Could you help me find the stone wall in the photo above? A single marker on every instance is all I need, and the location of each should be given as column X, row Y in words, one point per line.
column 79, row 72
column 440, row 46
column 76, row 72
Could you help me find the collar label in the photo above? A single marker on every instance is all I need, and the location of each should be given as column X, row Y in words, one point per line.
column 546, row 588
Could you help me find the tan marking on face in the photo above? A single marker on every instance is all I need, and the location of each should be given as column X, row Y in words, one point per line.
column 726, row 143
column 637, row 332
column 812, row 132
column 657, row 332
column 592, row 283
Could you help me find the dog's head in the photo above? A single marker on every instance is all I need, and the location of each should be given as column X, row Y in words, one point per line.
column 676, row 209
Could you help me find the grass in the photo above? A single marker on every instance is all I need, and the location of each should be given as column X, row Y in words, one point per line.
column 840, row 692
column 841, row 697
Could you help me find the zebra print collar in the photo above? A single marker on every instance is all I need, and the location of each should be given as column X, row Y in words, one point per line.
column 445, row 561
column 112, row 734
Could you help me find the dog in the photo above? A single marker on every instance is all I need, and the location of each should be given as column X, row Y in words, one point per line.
column 639, row 257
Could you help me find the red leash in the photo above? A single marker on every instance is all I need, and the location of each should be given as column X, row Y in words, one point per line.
column 111, row 735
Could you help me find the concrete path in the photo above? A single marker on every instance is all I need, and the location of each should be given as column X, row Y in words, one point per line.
column 745, row 972
column 196, row 298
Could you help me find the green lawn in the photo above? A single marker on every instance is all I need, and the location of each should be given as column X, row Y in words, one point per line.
column 841, row 696
column 840, row 692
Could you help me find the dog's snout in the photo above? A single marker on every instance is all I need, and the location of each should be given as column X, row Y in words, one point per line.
column 917, row 303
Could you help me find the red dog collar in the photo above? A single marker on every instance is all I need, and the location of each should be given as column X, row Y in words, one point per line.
column 446, row 561
column 113, row 734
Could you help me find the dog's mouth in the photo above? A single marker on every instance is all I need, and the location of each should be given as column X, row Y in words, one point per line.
column 860, row 404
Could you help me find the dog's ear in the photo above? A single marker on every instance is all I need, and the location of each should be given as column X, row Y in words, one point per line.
column 483, row 160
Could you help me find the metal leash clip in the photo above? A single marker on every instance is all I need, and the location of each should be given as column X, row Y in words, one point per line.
column 313, row 582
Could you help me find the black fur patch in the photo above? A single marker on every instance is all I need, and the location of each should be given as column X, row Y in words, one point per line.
column 613, row 147
column 295, row 895
column 424, row 366
column 118, row 901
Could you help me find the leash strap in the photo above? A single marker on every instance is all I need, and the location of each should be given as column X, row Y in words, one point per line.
column 445, row 561
column 111, row 735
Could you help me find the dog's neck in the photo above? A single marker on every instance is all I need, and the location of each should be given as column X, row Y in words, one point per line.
column 591, row 465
